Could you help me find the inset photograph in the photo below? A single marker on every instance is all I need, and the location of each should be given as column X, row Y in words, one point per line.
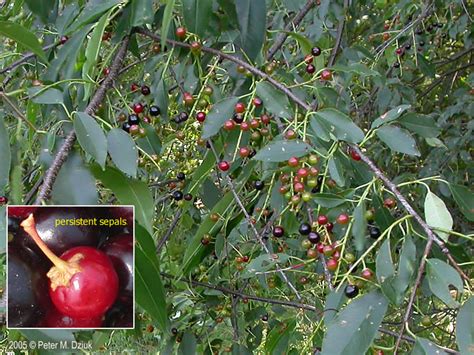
column 70, row 267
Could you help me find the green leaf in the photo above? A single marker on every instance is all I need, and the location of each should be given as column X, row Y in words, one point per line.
column 129, row 192
column 464, row 199
column 354, row 328
column 219, row 113
column 426, row 67
column 43, row 9
column 420, row 124
column 465, row 327
column 252, row 16
column 384, row 263
column 188, row 344
column 359, row 228
column 336, row 170
column 165, row 25
column 406, row 270
column 398, row 140
column 278, row 151
column 389, row 116
column 74, row 184
column 328, row 200
column 49, row 96
column 334, row 301
column 91, row 12
column 262, row 263
column 5, row 154
column 197, row 14
column 123, row 151
column 437, row 215
column 201, row 173
column 149, row 292
column 304, row 42
column 195, row 250
column 277, row 341
column 23, row 37
column 440, row 275
column 425, row 347
column 337, row 124
column 92, row 54
column 142, row 12
column 151, row 142
column 91, row 137
column 274, row 100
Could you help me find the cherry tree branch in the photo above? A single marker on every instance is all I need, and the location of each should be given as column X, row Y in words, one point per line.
column 294, row 23
column 26, row 57
column 390, row 185
column 340, row 30
column 170, row 230
column 63, row 152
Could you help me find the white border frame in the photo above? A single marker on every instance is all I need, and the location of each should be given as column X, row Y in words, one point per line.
column 133, row 259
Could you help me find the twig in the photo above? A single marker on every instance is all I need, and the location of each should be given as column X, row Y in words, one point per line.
column 327, row 274
column 17, row 111
column 170, row 230
column 247, row 296
column 26, row 57
column 65, row 148
column 294, row 23
column 31, row 193
column 163, row 183
column 340, row 29
column 180, row 85
column 254, row 230
column 393, row 188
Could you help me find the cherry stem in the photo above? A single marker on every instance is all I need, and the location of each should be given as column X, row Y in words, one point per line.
column 29, row 226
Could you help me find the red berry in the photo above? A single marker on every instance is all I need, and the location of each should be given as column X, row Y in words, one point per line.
column 329, row 226
column 326, row 75
column 308, row 59
column 322, row 220
column 245, row 258
column 244, row 126
column 298, row 187
column 106, row 71
column 399, row 51
column 223, row 165
column 83, row 282
column 367, row 274
column 229, row 125
column 343, row 218
column 293, row 162
column 328, row 250
column 63, row 39
column 201, row 116
column 257, row 102
column 239, row 107
column 265, row 119
column 303, row 172
column 188, row 99
column 354, row 155
column 134, row 87
column 316, row 51
column 138, row 108
column 331, row 264
column 244, row 152
column 290, row 134
column 389, row 202
column 195, row 47
column 313, row 171
column 181, row 32
column 320, row 247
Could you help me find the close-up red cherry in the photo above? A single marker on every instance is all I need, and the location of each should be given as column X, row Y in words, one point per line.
column 332, row 264
column 137, row 108
column 20, row 212
column 257, row 102
column 223, row 165
column 265, row 119
column 134, row 87
column 389, row 202
column 322, row 220
column 229, row 125
column 181, row 32
column 343, row 218
column 310, row 69
column 3, row 200
column 200, row 116
column 239, row 107
column 83, row 282
column 326, row 74
column 293, row 162
column 367, row 274
column 244, row 152
column 354, row 155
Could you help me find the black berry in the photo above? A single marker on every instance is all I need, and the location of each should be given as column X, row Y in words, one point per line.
column 154, row 110
column 126, row 127
column 238, row 118
column 145, row 90
column 351, row 291
column 314, row 237
column 374, row 232
column 259, row 185
column 188, row 197
column 304, row 229
column 177, row 195
column 133, row 119
column 316, row 51
column 180, row 176
column 278, row 231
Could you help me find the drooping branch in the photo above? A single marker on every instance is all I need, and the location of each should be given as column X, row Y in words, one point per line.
column 294, row 23
column 63, row 152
